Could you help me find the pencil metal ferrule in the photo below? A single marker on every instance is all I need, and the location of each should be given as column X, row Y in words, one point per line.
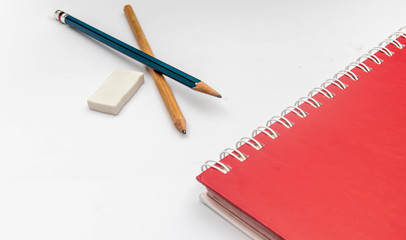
column 60, row 16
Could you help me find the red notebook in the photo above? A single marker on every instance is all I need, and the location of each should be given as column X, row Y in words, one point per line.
column 331, row 167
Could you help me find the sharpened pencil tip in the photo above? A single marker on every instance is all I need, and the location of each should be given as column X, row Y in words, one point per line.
column 180, row 123
column 204, row 88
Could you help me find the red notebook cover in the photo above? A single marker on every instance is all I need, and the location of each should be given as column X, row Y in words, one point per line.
column 337, row 173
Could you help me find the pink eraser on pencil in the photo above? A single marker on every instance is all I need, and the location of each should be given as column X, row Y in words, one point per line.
column 116, row 91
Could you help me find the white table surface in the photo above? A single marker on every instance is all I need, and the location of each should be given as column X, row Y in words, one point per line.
column 67, row 172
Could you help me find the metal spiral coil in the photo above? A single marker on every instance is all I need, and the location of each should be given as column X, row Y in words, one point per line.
column 381, row 49
column 268, row 131
column 250, row 141
column 347, row 73
column 308, row 100
column 321, row 90
column 335, row 82
column 359, row 65
column 233, row 152
column 216, row 165
column 296, row 110
column 370, row 57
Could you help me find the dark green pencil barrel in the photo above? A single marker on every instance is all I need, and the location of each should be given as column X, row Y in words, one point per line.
column 128, row 50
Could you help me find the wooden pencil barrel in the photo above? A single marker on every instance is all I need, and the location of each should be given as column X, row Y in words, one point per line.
column 163, row 87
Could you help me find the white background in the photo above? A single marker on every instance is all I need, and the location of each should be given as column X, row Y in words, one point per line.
column 67, row 172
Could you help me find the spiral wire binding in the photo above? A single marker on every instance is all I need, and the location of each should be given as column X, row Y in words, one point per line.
column 308, row 100
column 240, row 156
column 267, row 130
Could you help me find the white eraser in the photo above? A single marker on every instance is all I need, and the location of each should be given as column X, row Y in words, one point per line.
column 116, row 91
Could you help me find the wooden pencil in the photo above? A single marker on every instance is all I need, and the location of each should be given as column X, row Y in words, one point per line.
column 163, row 87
